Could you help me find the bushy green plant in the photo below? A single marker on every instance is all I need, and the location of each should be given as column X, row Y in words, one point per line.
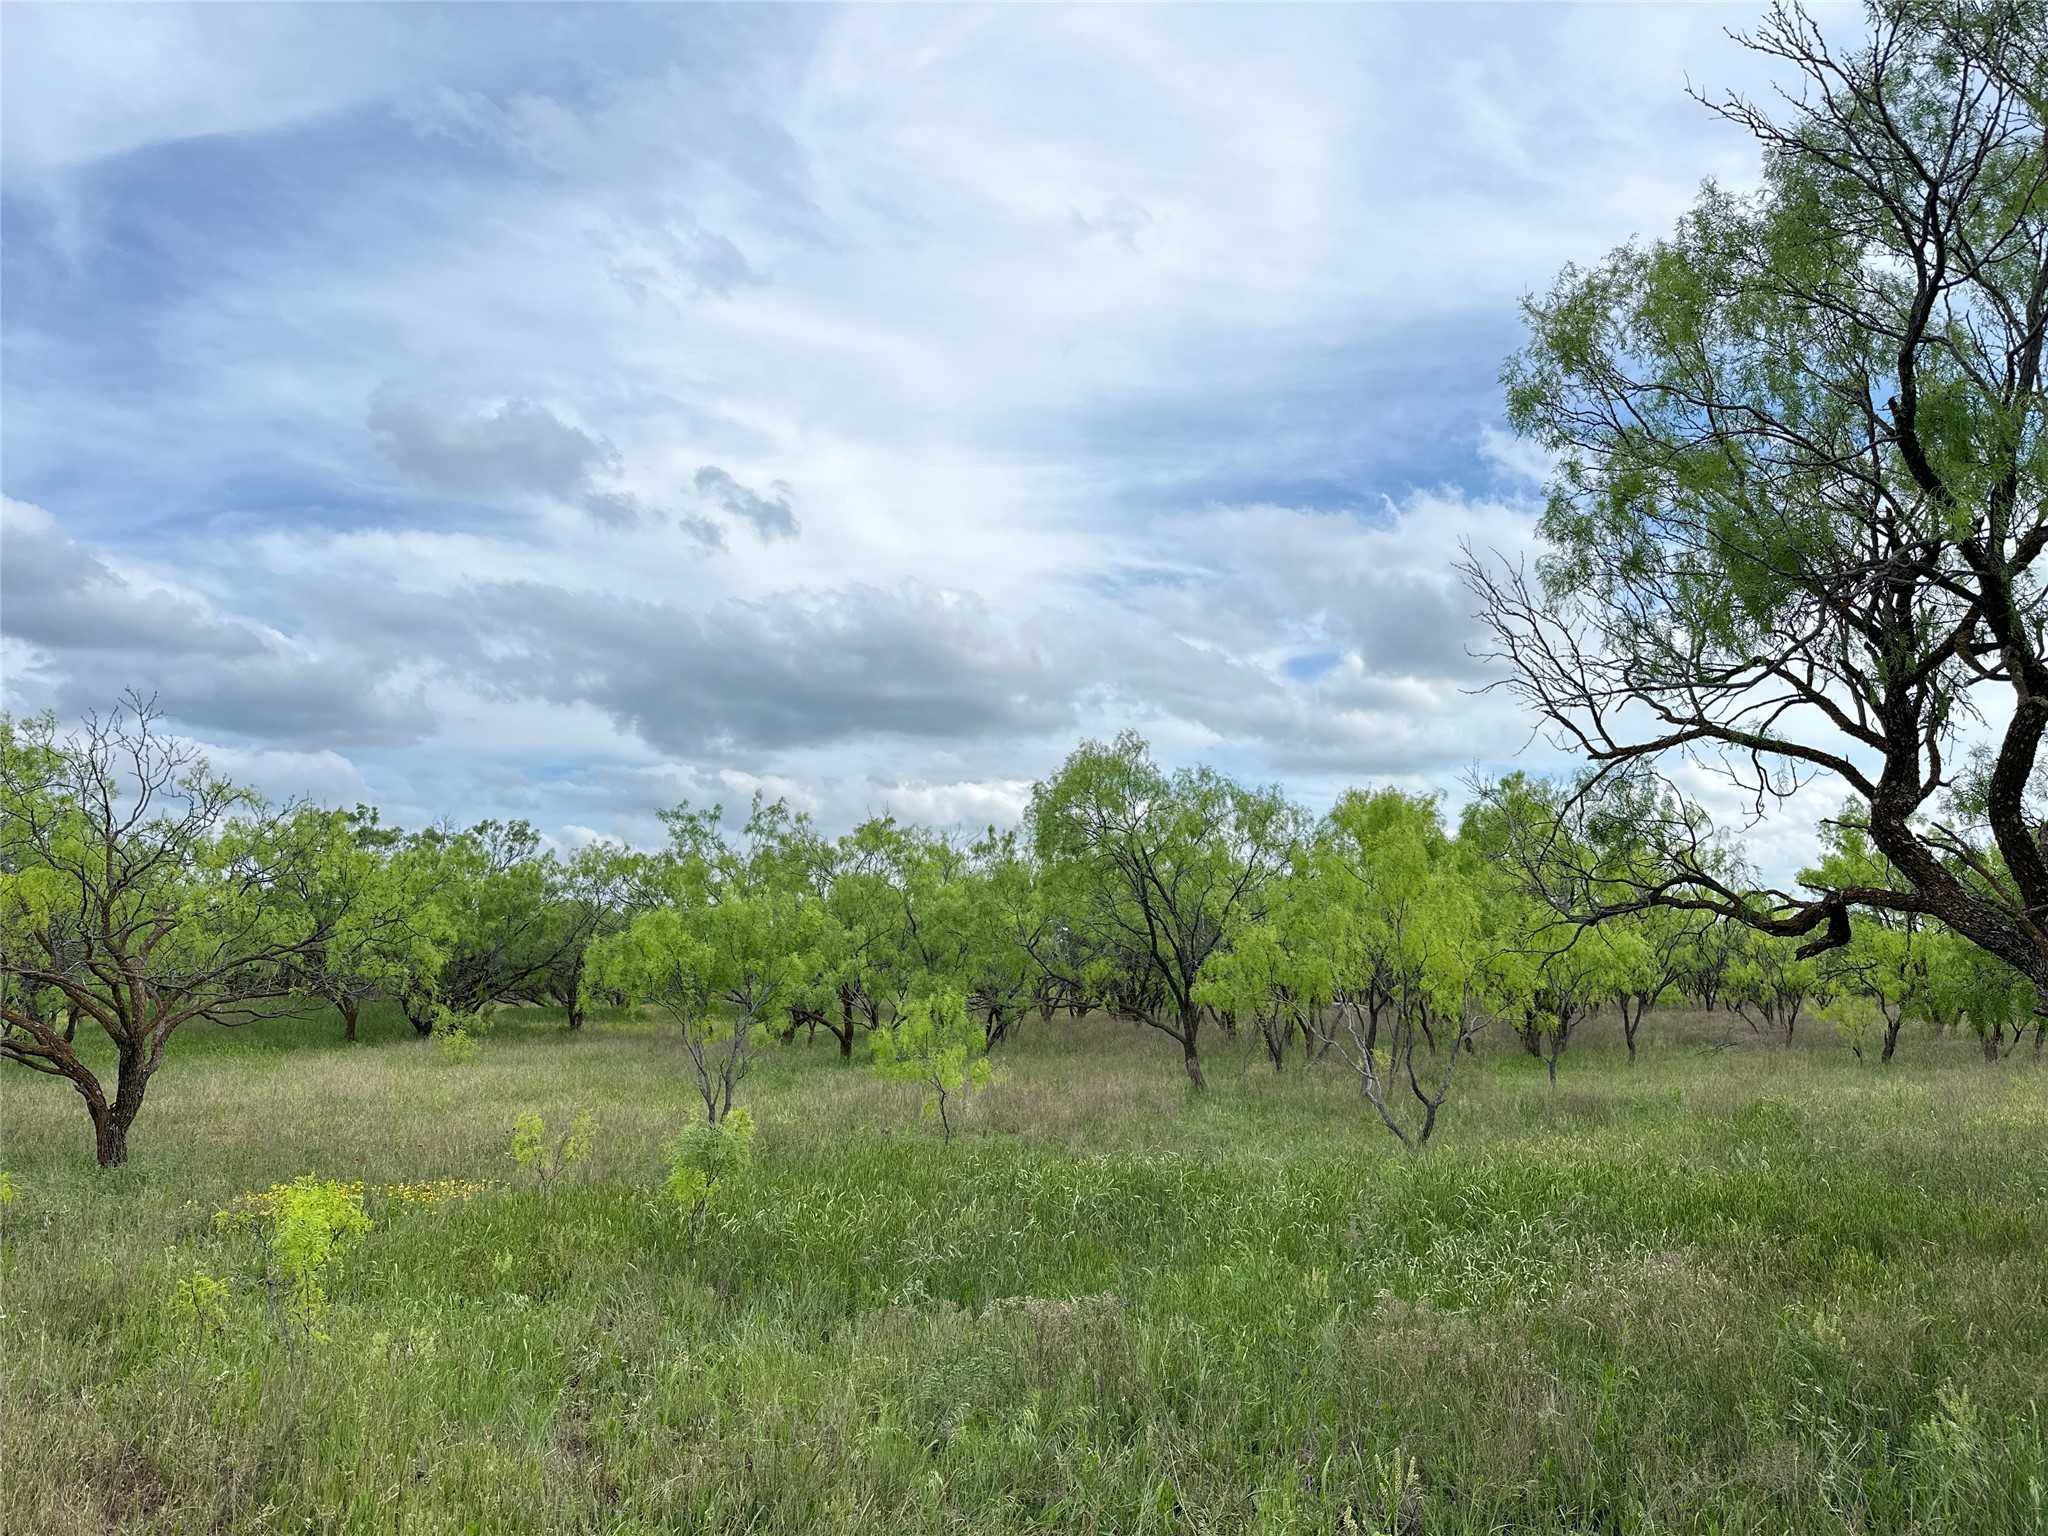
column 545, row 1160
column 1856, row 1020
column 304, row 1226
column 706, row 1158
column 197, row 1306
column 457, row 1034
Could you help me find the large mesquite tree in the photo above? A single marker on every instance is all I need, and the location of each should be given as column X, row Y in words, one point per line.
column 1801, row 502
column 141, row 891
column 1147, row 875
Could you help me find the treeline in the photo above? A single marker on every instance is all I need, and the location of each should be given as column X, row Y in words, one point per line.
column 142, row 892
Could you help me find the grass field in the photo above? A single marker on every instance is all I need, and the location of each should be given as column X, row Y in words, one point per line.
column 1762, row 1289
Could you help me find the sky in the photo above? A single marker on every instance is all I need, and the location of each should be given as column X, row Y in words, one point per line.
column 561, row 413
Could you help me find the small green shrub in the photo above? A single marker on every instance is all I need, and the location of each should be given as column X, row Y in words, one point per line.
column 546, row 1161
column 197, row 1307
column 304, row 1226
column 457, row 1033
column 705, row 1158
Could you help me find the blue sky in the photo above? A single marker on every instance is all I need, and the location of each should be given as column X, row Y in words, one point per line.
column 562, row 412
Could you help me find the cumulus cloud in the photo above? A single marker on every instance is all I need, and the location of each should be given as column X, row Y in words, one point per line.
column 90, row 630
column 58, row 594
column 1110, row 403
column 802, row 669
column 510, row 448
column 771, row 516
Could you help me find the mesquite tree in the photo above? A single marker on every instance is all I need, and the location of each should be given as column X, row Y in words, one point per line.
column 1379, row 930
column 1801, row 501
column 350, row 862
column 592, row 893
column 1149, row 874
column 729, row 942
column 1533, row 858
column 1771, row 983
column 142, row 891
column 1885, row 971
column 509, row 913
column 1653, row 954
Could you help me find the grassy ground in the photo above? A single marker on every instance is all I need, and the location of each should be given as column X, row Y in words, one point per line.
column 1753, row 1290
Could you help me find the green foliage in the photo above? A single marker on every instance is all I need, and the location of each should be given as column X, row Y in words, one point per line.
column 377, row 906
column 457, row 1035
column 303, row 1227
column 732, row 938
column 1769, row 984
column 545, row 1160
column 934, row 1042
column 197, row 1307
column 1146, row 876
column 704, row 1160
column 1534, row 864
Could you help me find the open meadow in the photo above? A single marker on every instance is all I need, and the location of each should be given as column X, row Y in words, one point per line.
column 1756, row 1288
column 950, row 771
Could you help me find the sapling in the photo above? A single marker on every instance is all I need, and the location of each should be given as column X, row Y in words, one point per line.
column 197, row 1306
column 545, row 1160
column 457, row 1033
column 304, row 1226
column 936, row 1043
column 705, row 1159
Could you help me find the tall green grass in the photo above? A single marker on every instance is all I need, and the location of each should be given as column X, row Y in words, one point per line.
column 1752, row 1290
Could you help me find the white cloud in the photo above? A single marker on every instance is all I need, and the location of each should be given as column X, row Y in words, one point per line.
column 1516, row 459
column 1039, row 371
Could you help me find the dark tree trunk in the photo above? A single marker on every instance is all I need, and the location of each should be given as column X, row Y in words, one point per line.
column 1891, row 1034
column 419, row 1013
column 110, row 1123
column 350, row 1008
column 110, row 1142
column 1190, row 1025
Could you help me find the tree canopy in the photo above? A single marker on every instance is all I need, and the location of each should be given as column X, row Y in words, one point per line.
column 1801, row 494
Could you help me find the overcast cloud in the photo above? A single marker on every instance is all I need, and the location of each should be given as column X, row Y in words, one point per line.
column 564, row 412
